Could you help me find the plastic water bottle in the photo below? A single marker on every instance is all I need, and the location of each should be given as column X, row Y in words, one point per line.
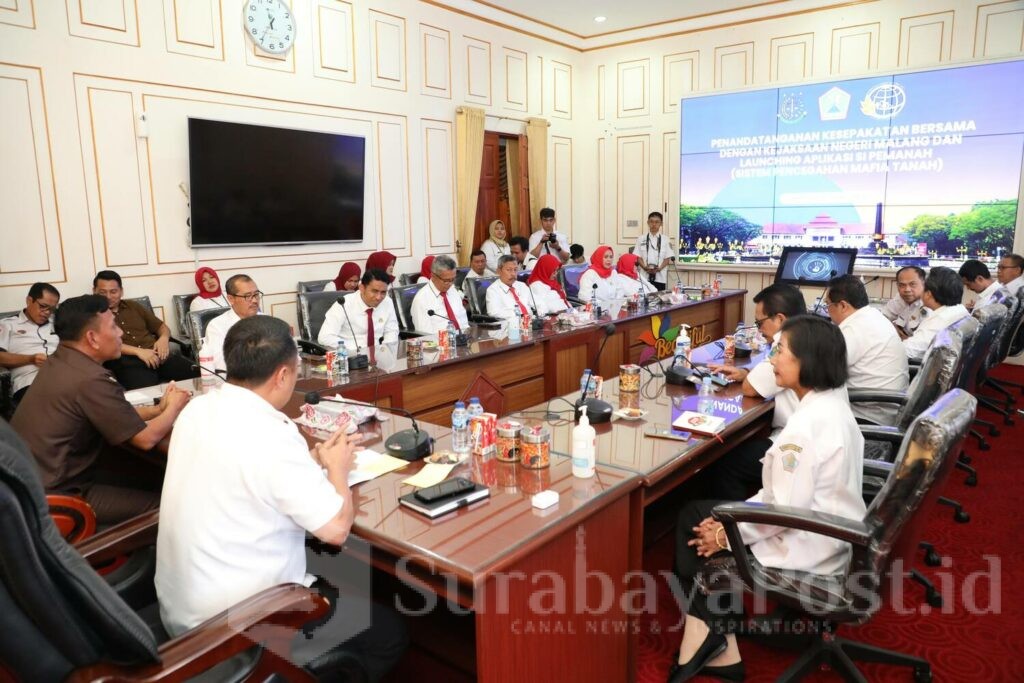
column 460, row 429
column 206, row 362
column 586, row 381
column 451, row 335
column 474, row 408
column 706, row 397
column 342, row 369
column 716, row 285
column 595, row 309
column 515, row 326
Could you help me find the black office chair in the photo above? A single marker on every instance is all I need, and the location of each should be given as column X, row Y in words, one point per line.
column 198, row 321
column 1000, row 352
column 476, row 292
column 569, row 276
column 882, row 542
column 402, row 298
column 460, row 276
column 61, row 620
column 311, row 285
column 406, row 279
column 314, row 306
column 975, row 354
column 524, row 276
column 181, row 302
column 6, row 383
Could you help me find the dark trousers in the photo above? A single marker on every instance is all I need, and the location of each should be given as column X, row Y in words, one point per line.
column 116, row 504
column 737, row 474
column 132, row 373
column 660, row 286
column 720, row 610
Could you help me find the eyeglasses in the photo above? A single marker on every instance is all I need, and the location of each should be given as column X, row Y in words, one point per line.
column 1008, row 267
column 248, row 297
column 761, row 321
column 446, row 280
column 44, row 307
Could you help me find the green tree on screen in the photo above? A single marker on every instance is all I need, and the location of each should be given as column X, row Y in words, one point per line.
column 935, row 231
column 986, row 226
column 720, row 224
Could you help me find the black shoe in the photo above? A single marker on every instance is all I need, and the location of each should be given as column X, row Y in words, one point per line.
column 733, row 672
column 712, row 646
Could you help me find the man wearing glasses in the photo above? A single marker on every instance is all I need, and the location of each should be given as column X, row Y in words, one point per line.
column 442, row 298
column 27, row 339
column 1010, row 272
column 146, row 359
column 244, row 298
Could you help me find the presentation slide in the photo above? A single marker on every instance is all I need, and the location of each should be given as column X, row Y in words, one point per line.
column 925, row 161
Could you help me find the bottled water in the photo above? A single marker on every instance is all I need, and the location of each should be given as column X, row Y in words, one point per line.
column 460, row 429
column 474, row 408
column 706, row 397
column 595, row 309
column 515, row 326
column 342, row 360
column 451, row 335
column 586, row 381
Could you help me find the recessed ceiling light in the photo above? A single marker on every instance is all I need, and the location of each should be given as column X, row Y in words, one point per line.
column 600, row 20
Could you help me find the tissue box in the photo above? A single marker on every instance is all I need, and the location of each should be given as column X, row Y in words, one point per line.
column 483, row 433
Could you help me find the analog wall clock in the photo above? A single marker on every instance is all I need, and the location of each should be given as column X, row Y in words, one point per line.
column 269, row 24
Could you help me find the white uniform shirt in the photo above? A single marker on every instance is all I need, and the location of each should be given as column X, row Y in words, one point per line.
column 560, row 237
column 627, row 286
column 330, row 287
column 941, row 318
column 429, row 299
column 18, row 334
column 548, row 301
column 336, row 327
column 1014, row 286
column 876, row 360
column 990, row 295
column 528, row 263
column 201, row 304
column 216, row 331
column 240, row 492
column 493, row 252
column 816, row 463
column 903, row 315
column 501, row 304
column 654, row 249
column 607, row 289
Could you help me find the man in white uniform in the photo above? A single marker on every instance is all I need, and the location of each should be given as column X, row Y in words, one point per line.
column 733, row 476
column 547, row 240
column 874, row 355
column 976, row 277
column 943, row 292
column 655, row 251
column 1010, row 273
column 521, row 250
column 27, row 339
column 241, row 492
column 442, row 298
column 906, row 311
column 508, row 294
column 244, row 298
column 477, row 269
column 370, row 312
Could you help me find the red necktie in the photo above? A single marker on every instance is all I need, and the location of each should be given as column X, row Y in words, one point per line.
column 370, row 341
column 522, row 308
column 450, row 312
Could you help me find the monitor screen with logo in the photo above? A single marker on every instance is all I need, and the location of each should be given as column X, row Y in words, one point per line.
column 814, row 265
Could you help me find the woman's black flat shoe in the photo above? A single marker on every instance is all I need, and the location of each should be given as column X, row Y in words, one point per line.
column 734, row 672
column 712, row 646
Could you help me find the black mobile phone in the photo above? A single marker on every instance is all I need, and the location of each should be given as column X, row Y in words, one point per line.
column 446, row 489
column 667, row 432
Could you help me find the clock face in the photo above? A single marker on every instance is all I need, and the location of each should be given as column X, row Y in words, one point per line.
column 269, row 24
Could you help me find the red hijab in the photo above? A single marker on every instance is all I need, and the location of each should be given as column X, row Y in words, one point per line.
column 381, row 260
column 348, row 271
column 425, row 266
column 544, row 270
column 199, row 282
column 597, row 262
column 627, row 266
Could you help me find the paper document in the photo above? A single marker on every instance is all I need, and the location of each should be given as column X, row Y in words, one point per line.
column 430, row 474
column 371, row 464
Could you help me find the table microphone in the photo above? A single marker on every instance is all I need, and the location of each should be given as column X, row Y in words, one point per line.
column 680, row 375
column 597, row 410
column 537, row 324
column 407, row 444
column 461, row 339
column 358, row 361
column 597, row 305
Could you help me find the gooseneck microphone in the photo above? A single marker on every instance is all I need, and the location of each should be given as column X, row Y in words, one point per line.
column 597, row 410
column 407, row 444
column 213, row 371
column 537, row 323
column 461, row 339
column 679, row 375
column 358, row 361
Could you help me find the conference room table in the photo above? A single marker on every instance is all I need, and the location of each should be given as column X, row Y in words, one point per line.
column 543, row 364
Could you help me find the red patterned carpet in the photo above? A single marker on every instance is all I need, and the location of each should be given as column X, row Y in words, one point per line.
column 962, row 644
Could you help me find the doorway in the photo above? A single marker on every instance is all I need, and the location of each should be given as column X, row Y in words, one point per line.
column 504, row 186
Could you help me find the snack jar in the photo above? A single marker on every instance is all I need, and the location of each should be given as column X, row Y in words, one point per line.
column 535, row 447
column 629, row 378
column 414, row 349
column 508, row 440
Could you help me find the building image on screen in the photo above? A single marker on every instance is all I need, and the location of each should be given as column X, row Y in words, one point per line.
column 918, row 165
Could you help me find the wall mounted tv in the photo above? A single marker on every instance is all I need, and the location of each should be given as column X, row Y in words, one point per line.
column 260, row 185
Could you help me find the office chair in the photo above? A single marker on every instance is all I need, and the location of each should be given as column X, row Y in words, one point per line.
column 569, row 276
column 402, row 298
column 1000, row 352
column 198, row 321
column 991, row 318
column 460, row 276
column 406, row 279
column 181, row 302
column 311, row 285
column 6, row 383
column 314, row 306
column 477, row 294
column 881, row 543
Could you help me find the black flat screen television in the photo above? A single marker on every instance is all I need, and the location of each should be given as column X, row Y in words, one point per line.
column 261, row 185
column 814, row 265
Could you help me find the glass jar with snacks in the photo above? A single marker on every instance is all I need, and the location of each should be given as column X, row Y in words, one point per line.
column 535, row 448
column 508, row 440
column 629, row 378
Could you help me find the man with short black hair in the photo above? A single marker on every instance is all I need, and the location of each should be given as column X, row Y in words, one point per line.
column 370, row 312
column 241, row 492
column 146, row 359
column 520, row 248
column 906, row 311
column 76, row 411
column 655, row 251
column 576, row 255
column 27, row 339
column 1010, row 273
column 244, row 298
column 874, row 354
column 943, row 292
column 440, row 296
column 508, row 295
column 477, row 269
column 546, row 240
column 977, row 278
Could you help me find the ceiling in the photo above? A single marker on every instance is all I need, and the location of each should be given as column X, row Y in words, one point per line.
column 577, row 16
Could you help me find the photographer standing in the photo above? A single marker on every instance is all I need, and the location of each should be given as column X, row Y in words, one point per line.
column 547, row 240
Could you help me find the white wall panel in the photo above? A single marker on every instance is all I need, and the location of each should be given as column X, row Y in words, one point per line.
column 679, row 77
column 18, row 13
column 1000, row 29
column 734, row 66
column 561, row 85
column 387, row 46
column 517, row 80
column 193, row 27
column 436, row 61
column 478, row 71
column 854, row 49
column 792, row 58
column 439, row 185
column 393, row 186
column 561, row 199
column 633, row 171
column 114, row 21
column 633, row 88
column 334, row 41
column 926, row 39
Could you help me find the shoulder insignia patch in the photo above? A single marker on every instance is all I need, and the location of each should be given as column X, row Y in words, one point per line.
column 791, row 447
column 789, row 461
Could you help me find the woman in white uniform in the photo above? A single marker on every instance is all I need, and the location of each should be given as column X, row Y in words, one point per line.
column 546, row 289
column 347, row 280
column 628, row 280
column 210, row 295
column 496, row 246
column 815, row 464
column 600, row 273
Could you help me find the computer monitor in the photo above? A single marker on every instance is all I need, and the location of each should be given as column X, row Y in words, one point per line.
column 814, row 265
